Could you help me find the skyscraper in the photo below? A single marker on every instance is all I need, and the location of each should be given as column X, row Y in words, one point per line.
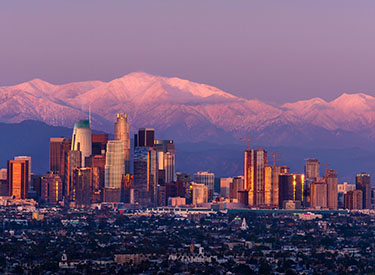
column 122, row 133
column 99, row 144
column 318, row 195
column 200, row 193
column 81, row 193
column 363, row 183
column 27, row 158
column 353, row 199
column 312, row 169
column 332, row 182
column 166, row 159
column 82, row 139
column 225, row 187
column 145, row 175
column 291, row 188
column 74, row 160
column 51, row 188
column 114, row 166
column 18, row 178
column 144, row 138
column 58, row 155
column 254, row 172
column 206, row 178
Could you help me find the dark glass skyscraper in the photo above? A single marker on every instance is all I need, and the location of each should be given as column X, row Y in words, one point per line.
column 363, row 183
column 144, row 138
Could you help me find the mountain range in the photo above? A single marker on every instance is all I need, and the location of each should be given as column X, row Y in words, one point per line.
column 205, row 122
column 191, row 112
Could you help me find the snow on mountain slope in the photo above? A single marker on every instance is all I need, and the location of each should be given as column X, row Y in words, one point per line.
column 184, row 109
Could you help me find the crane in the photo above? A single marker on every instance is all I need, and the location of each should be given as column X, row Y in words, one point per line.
column 248, row 141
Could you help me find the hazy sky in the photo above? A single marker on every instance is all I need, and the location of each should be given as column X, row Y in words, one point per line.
column 271, row 50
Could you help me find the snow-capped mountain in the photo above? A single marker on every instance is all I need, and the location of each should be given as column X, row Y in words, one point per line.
column 189, row 111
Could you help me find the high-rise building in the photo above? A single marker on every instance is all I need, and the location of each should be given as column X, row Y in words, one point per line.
column 291, row 188
column 99, row 144
column 342, row 189
column 97, row 164
column 206, row 178
column 276, row 171
column 18, row 178
column 268, row 185
column 254, row 172
column 114, row 166
column 332, row 182
column 73, row 161
column 318, row 195
column 144, row 138
column 51, row 188
column 27, row 158
column 58, row 155
column 122, row 133
column 82, row 139
column 363, row 183
column 81, row 193
column 200, row 193
column 166, row 159
column 312, row 169
column 145, row 175
column 353, row 200
column 236, row 186
column 225, row 187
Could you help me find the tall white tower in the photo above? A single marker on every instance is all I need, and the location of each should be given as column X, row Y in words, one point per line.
column 81, row 139
column 122, row 133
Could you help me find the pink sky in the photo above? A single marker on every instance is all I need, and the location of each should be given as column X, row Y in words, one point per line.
column 275, row 51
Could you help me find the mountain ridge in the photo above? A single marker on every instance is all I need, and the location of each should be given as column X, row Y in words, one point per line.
column 196, row 111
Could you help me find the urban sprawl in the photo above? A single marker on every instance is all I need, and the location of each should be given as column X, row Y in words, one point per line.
column 100, row 210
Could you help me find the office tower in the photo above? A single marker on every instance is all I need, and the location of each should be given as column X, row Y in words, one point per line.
column 182, row 184
column 144, row 138
column 27, row 158
column 200, row 193
column 254, row 172
column 291, row 188
column 81, row 192
column 268, row 185
column 342, row 189
column 225, row 187
column 318, row 195
column 51, row 188
column 276, row 171
column 74, row 160
column 332, row 182
column 97, row 165
column 363, row 183
column 58, row 155
column 114, row 167
column 235, row 187
column 166, row 159
column 99, row 144
column 18, row 178
column 82, row 139
column 207, row 179
column 127, row 189
column 145, row 175
column 312, row 169
column 353, row 200
column 122, row 133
